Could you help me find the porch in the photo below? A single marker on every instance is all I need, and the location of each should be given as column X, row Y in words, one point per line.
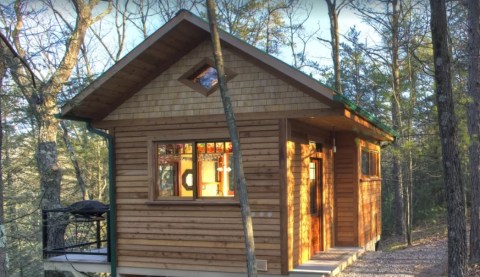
column 82, row 239
column 328, row 263
column 94, row 260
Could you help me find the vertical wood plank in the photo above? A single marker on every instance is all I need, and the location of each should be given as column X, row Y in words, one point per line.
column 284, row 227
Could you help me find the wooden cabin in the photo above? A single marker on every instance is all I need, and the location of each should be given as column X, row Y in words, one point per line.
column 311, row 158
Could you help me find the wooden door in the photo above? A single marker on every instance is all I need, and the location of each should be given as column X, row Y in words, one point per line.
column 316, row 203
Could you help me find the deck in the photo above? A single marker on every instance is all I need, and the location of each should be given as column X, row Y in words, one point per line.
column 329, row 263
column 75, row 263
column 323, row 264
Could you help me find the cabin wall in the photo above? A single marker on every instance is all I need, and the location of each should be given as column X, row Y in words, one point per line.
column 300, row 234
column 167, row 109
column 357, row 197
column 369, row 204
column 346, row 190
column 195, row 237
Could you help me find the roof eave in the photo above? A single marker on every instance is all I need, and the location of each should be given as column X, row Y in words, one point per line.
column 67, row 108
column 390, row 132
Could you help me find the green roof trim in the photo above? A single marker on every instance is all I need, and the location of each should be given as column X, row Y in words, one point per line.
column 364, row 113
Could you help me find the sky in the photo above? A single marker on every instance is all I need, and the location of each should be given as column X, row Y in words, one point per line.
column 320, row 51
column 316, row 50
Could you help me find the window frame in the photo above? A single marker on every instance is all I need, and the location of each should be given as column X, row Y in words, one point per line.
column 373, row 163
column 195, row 198
column 186, row 77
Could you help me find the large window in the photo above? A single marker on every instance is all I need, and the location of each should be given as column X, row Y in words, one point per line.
column 193, row 170
column 370, row 163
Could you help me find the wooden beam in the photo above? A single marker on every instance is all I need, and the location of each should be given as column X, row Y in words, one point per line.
column 284, row 257
column 363, row 122
column 220, row 117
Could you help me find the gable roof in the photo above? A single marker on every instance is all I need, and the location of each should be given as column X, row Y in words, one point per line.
column 166, row 46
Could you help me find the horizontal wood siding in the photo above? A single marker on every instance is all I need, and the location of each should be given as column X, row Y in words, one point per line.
column 370, row 202
column 199, row 237
column 252, row 90
column 369, row 223
column 346, row 186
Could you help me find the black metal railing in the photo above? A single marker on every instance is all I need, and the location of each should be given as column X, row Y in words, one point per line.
column 81, row 229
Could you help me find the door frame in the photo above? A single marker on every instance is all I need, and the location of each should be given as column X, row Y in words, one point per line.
column 316, row 213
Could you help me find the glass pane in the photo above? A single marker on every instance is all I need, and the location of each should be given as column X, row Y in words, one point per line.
column 219, row 146
column 313, row 187
column 365, row 163
column 201, row 147
column 228, row 147
column 374, row 163
column 185, row 173
column 214, row 172
column 187, row 148
column 210, row 147
column 166, row 180
column 206, row 76
column 312, row 171
column 174, row 170
column 231, row 175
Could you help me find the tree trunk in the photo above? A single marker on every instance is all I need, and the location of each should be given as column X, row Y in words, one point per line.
column 334, row 42
column 397, row 125
column 46, row 157
column 3, row 234
column 473, row 120
column 237, row 155
column 409, row 130
column 448, row 135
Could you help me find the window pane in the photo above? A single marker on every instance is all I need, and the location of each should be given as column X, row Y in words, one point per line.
column 206, row 76
column 313, row 187
column 174, row 177
column 365, row 162
column 166, row 180
column 374, row 163
column 214, row 171
column 231, row 175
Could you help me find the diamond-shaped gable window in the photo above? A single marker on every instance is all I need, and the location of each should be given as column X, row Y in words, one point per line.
column 203, row 77
column 206, row 76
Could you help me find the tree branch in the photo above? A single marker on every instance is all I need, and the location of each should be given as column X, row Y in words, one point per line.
column 16, row 55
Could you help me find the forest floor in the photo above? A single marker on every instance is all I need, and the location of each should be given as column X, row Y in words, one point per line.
column 427, row 257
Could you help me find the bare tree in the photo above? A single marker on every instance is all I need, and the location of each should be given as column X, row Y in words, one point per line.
column 3, row 234
column 397, row 121
column 387, row 24
column 6, row 47
column 447, row 123
column 232, row 129
column 473, row 119
column 334, row 9
column 43, row 101
column 297, row 37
